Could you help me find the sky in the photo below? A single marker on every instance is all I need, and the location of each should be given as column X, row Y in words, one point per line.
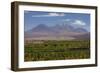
column 77, row 20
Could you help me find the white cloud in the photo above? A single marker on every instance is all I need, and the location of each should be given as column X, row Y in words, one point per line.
column 79, row 22
column 66, row 20
column 56, row 14
column 49, row 15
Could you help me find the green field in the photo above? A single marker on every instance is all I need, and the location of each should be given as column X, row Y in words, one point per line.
column 56, row 50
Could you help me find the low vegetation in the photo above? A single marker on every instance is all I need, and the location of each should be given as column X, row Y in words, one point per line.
column 56, row 50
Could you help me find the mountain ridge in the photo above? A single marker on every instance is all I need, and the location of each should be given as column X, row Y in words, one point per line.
column 64, row 31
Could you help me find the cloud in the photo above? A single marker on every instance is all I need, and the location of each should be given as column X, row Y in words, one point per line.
column 79, row 22
column 50, row 15
column 66, row 20
column 56, row 14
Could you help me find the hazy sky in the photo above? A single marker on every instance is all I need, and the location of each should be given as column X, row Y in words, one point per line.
column 34, row 18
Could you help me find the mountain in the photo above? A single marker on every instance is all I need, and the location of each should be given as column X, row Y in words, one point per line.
column 85, row 36
column 80, row 30
column 39, row 31
column 40, row 28
column 64, row 27
column 61, row 32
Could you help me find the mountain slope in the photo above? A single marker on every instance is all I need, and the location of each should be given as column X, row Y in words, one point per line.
column 66, row 32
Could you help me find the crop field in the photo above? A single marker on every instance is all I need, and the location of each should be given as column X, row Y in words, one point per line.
column 56, row 50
